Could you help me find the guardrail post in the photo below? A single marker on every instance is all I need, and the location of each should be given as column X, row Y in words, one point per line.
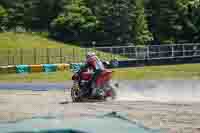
column 61, row 56
column 8, row 52
column 111, row 51
column 124, row 52
column 48, row 58
column 13, row 58
column 74, row 55
column 159, row 53
column 183, row 46
column 147, row 52
column 172, row 50
column 34, row 55
column 21, row 55
column 136, row 53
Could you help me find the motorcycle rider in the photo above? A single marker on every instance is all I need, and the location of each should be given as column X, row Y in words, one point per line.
column 96, row 65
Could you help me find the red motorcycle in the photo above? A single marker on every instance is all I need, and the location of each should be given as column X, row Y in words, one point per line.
column 81, row 89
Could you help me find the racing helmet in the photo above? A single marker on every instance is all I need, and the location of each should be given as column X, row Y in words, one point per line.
column 90, row 54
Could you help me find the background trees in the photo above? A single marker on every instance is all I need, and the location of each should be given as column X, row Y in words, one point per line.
column 113, row 22
column 3, row 16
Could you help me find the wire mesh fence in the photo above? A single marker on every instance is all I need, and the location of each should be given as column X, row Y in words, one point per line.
column 74, row 55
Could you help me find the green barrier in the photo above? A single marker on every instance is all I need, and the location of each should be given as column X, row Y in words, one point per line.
column 75, row 67
column 49, row 68
column 22, row 69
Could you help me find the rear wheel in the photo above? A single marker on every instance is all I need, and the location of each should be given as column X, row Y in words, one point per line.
column 112, row 91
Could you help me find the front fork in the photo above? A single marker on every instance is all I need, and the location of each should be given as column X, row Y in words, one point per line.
column 78, row 89
column 76, row 85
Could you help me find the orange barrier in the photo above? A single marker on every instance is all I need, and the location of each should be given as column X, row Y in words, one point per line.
column 63, row 67
column 36, row 68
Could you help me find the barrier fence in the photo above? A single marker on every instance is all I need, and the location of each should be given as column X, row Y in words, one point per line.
column 35, row 68
column 75, row 55
column 156, row 51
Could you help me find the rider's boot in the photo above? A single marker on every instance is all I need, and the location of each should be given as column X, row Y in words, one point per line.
column 96, row 92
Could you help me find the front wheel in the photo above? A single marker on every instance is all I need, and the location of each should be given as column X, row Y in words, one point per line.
column 75, row 94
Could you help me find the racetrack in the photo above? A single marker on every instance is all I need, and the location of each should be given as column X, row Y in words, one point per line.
column 165, row 104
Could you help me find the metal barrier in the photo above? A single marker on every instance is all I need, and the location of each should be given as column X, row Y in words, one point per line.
column 155, row 51
column 75, row 55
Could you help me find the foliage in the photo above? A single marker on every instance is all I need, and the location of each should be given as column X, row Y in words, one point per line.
column 191, row 20
column 76, row 22
column 142, row 34
column 113, row 22
column 173, row 20
column 3, row 15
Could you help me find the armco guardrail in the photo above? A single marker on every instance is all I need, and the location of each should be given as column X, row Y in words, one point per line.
column 152, row 52
column 73, row 67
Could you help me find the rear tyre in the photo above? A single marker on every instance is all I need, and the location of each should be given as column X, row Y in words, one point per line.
column 114, row 94
column 112, row 91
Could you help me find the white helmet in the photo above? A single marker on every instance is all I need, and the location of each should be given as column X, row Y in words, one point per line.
column 90, row 54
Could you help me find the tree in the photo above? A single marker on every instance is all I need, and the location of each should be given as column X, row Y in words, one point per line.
column 115, row 17
column 172, row 20
column 189, row 10
column 108, row 22
column 195, row 21
column 32, row 14
column 16, row 13
column 75, row 23
column 45, row 11
column 121, row 21
column 142, row 35
column 3, row 15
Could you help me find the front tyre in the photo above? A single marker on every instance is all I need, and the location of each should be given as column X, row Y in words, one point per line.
column 75, row 94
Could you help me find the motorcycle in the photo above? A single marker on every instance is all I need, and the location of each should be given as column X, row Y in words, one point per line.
column 81, row 89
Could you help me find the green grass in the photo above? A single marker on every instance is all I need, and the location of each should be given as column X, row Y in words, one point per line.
column 36, row 77
column 25, row 40
column 177, row 72
column 29, row 55
column 168, row 72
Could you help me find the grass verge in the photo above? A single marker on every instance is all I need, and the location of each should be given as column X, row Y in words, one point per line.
column 35, row 50
column 188, row 71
